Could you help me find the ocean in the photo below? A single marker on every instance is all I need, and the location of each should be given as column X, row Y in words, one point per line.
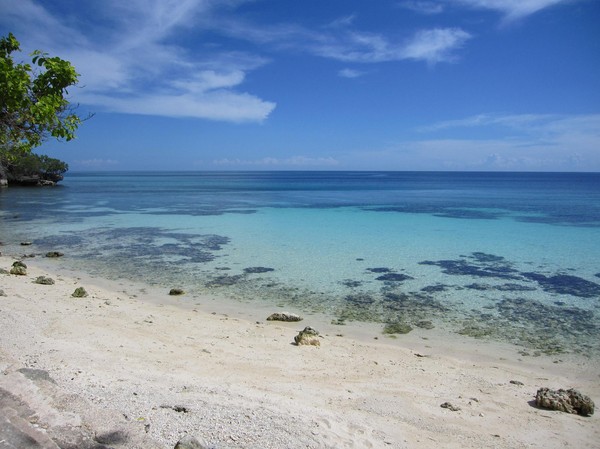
column 512, row 257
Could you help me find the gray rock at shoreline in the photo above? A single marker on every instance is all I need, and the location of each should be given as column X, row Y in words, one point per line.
column 568, row 401
column 176, row 292
column 284, row 316
column 308, row 337
column 54, row 254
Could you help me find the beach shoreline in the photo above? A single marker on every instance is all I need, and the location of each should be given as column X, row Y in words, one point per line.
column 238, row 381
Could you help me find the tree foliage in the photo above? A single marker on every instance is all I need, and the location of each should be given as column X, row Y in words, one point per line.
column 33, row 103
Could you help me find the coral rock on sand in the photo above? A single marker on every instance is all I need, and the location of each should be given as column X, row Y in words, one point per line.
column 284, row 316
column 44, row 280
column 308, row 336
column 19, row 268
column 189, row 442
column 569, row 401
column 79, row 293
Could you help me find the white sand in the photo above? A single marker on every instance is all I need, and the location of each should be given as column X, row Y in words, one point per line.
column 137, row 352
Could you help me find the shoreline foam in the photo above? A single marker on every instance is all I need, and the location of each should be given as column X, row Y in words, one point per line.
column 132, row 350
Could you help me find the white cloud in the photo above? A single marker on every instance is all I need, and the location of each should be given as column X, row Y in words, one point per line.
column 533, row 142
column 512, row 9
column 350, row 73
column 436, row 45
column 95, row 163
column 528, row 124
column 340, row 41
column 423, row 6
column 433, row 46
column 127, row 64
column 214, row 105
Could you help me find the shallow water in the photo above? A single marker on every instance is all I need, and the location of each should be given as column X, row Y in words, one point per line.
column 512, row 257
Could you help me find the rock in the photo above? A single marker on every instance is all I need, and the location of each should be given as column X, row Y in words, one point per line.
column 19, row 268
column 568, row 401
column 19, row 271
column 54, row 254
column 44, row 280
column 112, row 437
column 308, row 336
column 449, row 406
column 79, row 293
column 189, row 442
column 284, row 316
column 176, row 292
column 2, row 293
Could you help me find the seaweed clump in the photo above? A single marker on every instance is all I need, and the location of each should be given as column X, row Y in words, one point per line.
column 397, row 328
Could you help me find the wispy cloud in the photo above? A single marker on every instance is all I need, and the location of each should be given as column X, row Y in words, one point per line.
column 513, row 142
column 350, row 73
column 423, row 6
column 95, row 163
column 432, row 46
column 511, row 9
column 291, row 162
column 436, row 45
column 129, row 63
column 340, row 40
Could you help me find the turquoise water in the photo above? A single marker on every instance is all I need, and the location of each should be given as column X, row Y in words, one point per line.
column 506, row 256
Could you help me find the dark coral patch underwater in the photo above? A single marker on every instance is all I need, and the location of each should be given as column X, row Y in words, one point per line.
column 483, row 265
column 565, row 284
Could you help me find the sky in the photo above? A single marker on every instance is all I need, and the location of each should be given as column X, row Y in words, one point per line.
column 486, row 85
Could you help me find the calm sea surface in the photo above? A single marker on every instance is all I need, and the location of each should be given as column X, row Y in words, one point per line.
column 507, row 256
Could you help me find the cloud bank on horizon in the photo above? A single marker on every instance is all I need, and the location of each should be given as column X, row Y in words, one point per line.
column 206, row 59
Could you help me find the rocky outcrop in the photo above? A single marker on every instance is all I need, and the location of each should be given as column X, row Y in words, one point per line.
column 308, row 336
column 79, row 293
column 54, row 254
column 44, row 280
column 568, row 401
column 19, row 268
column 284, row 316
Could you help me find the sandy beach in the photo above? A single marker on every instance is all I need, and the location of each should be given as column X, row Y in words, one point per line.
column 140, row 369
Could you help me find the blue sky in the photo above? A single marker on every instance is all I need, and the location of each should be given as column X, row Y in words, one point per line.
column 325, row 84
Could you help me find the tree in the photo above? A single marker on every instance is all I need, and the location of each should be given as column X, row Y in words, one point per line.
column 33, row 103
column 36, row 169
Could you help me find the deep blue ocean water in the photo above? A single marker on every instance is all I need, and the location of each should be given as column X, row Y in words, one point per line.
column 507, row 256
